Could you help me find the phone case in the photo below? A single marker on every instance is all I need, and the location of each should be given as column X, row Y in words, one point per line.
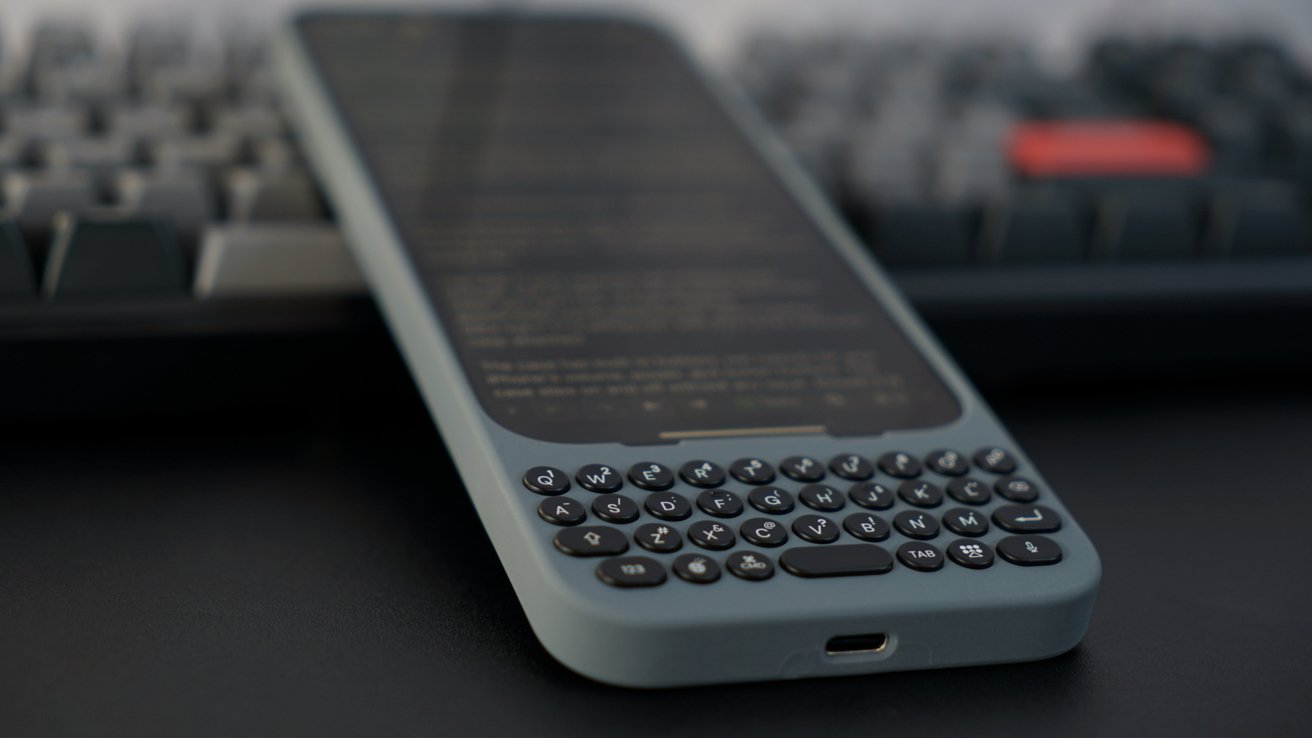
column 734, row 629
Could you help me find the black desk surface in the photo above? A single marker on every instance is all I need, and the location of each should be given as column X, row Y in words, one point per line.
column 283, row 573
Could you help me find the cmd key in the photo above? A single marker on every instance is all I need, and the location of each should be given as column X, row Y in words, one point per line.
column 113, row 258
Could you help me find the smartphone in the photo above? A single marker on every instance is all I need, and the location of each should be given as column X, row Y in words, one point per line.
column 708, row 439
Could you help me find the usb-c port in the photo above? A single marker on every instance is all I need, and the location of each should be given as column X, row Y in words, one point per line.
column 856, row 644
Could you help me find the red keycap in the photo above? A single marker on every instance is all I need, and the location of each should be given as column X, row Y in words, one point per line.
column 1106, row 148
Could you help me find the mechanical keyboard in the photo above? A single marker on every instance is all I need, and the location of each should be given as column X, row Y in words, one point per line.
column 1122, row 216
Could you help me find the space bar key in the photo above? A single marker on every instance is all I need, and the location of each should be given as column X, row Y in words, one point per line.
column 836, row 561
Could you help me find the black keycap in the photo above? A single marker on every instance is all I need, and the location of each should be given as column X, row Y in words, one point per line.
column 966, row 522
column 995, row 460
column 851, row 466
column 96, row 258
column 899, row 464
column 771, row 500
column 1136, row 227
column 821, row 497
column 615, row 509
column 764, row 532
column 916, row 524
column 1027, row 518
column 970, row 554
column 920, row 556
column 562, row 511
column 853, row 559
column 1029, row 550
column 599, row 478
column 909, row 235
column 872, row 495
column 701, row 473
column 969, row 491
column 752, row 471
column 667, row 506
column 696, row 568
column 802, row 469
column 658, row 537
column 948, row 462
column 1017, row 489
column 720, row 502
column 546, row 480
column 867, row 527
column 652, row 476
column 920, row 494
column 1259, row 221
column 16, row 277
column 750, row 565
column 591, row 540
column 711, row 534
column 1033, row 230
column 631, row 571
column 816, row 529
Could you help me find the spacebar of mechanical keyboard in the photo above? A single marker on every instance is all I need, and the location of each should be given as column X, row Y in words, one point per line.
column 836, row 561
column 260, row 260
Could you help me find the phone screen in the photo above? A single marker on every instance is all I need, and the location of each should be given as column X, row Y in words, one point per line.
column 610, row 257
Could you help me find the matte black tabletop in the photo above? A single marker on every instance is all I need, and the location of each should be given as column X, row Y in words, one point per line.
column 260, row 571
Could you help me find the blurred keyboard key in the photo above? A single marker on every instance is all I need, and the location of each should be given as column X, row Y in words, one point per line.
column 16, row 277
column 60, row 43
column 260, row 196
column 276, row 155
column 1133, row 228
column 46, row 123
column 257, row 88
column 249, row 121
column 1041, row 149
column 191, row 83
column 882, row 171
column 151, row 47
column 100, row 156
column 968, row 171
column 1033, row 230
column 209, row 153
column 36, row 197
column 921, row 235
column 14, row 152
column 85, row 83
column 149, row 122
column 275, row 259
column 1236, row 132
column 1260, row 220
column 94, row 258
column 184, row 198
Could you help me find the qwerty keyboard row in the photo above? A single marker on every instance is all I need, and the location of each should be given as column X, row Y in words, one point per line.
column 846, row 545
